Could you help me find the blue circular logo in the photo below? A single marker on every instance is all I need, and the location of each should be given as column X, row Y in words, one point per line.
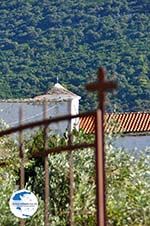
column 23, row 203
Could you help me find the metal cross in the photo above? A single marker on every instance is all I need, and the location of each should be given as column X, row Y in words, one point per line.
column 101, row 86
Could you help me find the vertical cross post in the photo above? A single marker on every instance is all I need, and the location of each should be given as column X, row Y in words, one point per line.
column 101, row 86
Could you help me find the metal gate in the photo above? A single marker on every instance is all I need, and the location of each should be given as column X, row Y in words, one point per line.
column 101, row 86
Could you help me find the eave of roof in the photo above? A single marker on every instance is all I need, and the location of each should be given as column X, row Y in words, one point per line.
column 38, row 100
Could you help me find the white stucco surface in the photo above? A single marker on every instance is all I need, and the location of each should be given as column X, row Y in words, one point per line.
column 131, row 143
column 60, row 102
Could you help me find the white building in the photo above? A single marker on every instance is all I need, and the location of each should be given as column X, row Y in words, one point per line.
column 60, row 102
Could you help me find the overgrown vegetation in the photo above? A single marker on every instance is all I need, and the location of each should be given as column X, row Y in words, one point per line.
column 128, row 184
column 43, row 39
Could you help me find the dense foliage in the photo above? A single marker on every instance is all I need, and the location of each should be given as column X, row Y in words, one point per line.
column 128, row 184
column 43, row 39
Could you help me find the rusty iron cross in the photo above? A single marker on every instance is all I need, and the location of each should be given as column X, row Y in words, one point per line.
column 101, row 86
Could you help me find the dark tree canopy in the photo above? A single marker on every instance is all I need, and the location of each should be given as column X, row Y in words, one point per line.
column 43, row 39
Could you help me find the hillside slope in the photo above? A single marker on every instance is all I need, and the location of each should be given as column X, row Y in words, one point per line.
column 43, row 39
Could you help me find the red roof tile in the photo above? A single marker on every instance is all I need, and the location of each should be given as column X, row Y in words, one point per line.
column 131, row 122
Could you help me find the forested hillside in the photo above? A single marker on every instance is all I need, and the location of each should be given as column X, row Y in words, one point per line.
column 43, row 39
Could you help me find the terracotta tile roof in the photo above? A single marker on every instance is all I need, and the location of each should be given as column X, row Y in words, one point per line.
column 132, row 122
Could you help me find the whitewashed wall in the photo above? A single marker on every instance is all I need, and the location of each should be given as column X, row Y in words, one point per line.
column 132, row 143
column 9, row 112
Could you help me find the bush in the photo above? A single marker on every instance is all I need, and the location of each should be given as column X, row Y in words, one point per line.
column 128, row 185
